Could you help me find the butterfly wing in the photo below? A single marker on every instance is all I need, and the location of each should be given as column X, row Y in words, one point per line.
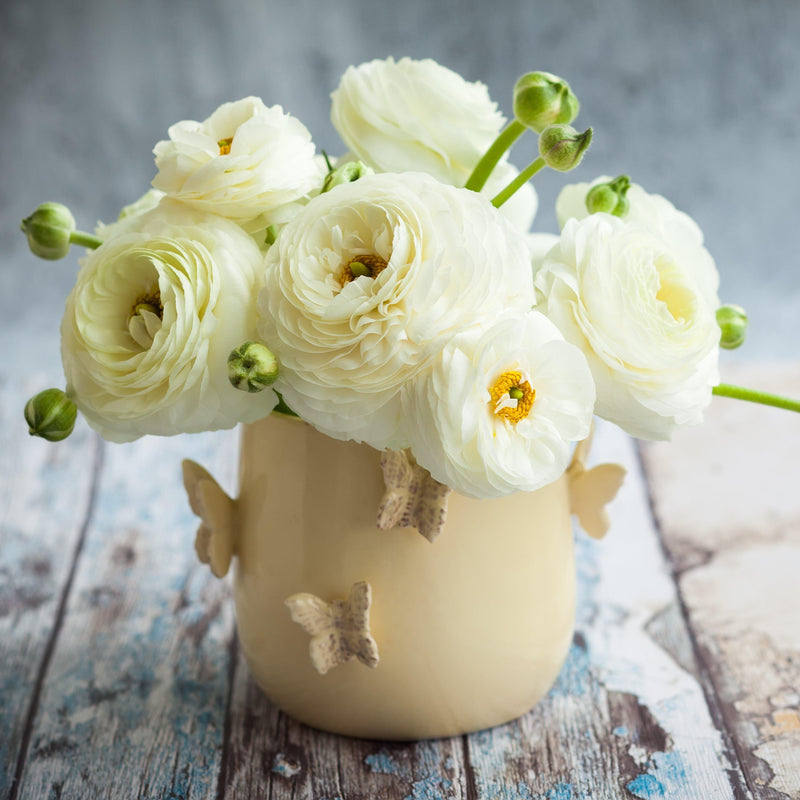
column 590, row 492
column 355, row 625
column 397, row 475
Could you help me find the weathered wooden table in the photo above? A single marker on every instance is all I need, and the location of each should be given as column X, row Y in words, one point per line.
column 120, row 675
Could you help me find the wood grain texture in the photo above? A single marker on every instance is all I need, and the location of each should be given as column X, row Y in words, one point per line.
column 271, row 756
column 133, row 703
column 627, row 716
column 143, row 693
column 44, row 503
column 731, row 523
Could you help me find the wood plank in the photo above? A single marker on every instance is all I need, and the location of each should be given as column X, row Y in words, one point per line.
column 133, row 704
column 726, row 498
column 271, row 756
column 628, row 716
column 44, row 501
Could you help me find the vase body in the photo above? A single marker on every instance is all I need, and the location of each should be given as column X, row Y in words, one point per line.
column 471, row 629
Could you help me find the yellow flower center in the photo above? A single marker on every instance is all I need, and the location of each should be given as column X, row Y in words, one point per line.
column 144, row 320
column 151, row 302
column 511, row 396
column 362, row 266
column 225, row 145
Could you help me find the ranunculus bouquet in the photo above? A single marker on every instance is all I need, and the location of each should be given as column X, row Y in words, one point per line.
column 394, row 300
column 394, row 297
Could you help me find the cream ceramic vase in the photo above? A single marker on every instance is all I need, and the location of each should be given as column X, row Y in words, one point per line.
column 438, row 638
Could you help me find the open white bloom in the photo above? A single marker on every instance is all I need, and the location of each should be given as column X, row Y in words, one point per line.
column 369, row 281
column 679, row 232
column 148, row 327
column 638, row 313
column 415, row 115
column 500, row 406
column 246, row 162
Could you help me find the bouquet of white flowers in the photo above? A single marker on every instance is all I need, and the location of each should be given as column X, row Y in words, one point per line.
column 395, row 297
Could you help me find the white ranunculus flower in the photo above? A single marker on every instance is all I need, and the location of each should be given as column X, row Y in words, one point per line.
column 639, row 315
column 245, row 162
column 498, row 410
column 404, row 115
column 148, row 327
column 679, row 232
column 436, row 260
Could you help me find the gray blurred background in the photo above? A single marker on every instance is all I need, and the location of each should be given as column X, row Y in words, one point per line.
column 695, row 99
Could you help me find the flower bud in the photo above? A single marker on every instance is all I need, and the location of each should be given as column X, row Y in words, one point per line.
column 732, row 321
column 347, row 173
column 252, row 367
column 562, row 147
column 51, row 415
column 48, row 230
column 270, row 234
column 542, row 99
column 610, row 197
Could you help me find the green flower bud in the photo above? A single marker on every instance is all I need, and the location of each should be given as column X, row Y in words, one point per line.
column 347, row 173
column 48, row 230
column 610, row 197
column 562, row 147
column 252, row 367
column 271, row 234
column 542, row 99
column 51, row 415
column 732, row 321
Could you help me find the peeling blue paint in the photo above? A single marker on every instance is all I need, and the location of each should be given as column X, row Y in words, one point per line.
column 672, row 771
column 562, row 791
column 430, row 788
column 449, row 763
column 574, row 680
column 647, row 787
column 667, row 776
column 153, row 633
column 620, row 730
column 383, row 763
column 502, row 791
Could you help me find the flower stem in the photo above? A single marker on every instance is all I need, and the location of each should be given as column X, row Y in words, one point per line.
column 483, row 169
column 521, row 179
column 85, row 239
column 755, row 396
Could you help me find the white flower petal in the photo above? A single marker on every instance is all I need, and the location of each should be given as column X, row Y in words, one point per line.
column 415, row 115
column 137, row 373
column 458, row 434
column 452, row 261
column 636, row 309
column 270, row 166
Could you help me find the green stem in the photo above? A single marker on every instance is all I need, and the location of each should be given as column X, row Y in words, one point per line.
column 520, row 180
column 282, row 408
column 85, row 239
column 755, row 396
column 483, row 169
